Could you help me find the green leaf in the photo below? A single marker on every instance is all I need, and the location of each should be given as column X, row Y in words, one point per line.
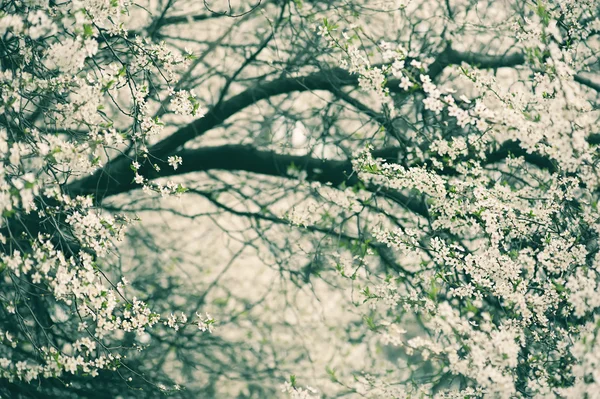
column 88, row 31
column 331, row 373
column 370, row 323
column 180, row 189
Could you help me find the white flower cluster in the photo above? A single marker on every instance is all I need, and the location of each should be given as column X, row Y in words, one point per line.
column 372, row 387
column 63, row 96
column 371, row 79
column 185, row 103
column 77, row 283
column 175, row 161
column 501, row 250
column 586, row 351
column 69, row 56
column 298, row 392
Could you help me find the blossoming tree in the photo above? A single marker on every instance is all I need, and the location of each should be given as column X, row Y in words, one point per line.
column 371, row 198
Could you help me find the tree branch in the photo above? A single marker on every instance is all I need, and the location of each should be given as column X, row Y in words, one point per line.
column 246, row 158
column 108, row 180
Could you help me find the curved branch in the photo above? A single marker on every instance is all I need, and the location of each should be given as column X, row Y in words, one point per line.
column 246, row 158
column 108, row 180
column 509, row 60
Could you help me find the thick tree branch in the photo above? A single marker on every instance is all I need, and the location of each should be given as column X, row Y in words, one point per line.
column 102, row 181
column 586, row 80
column 246, row 158
column 110, row 179
column 485, row 61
